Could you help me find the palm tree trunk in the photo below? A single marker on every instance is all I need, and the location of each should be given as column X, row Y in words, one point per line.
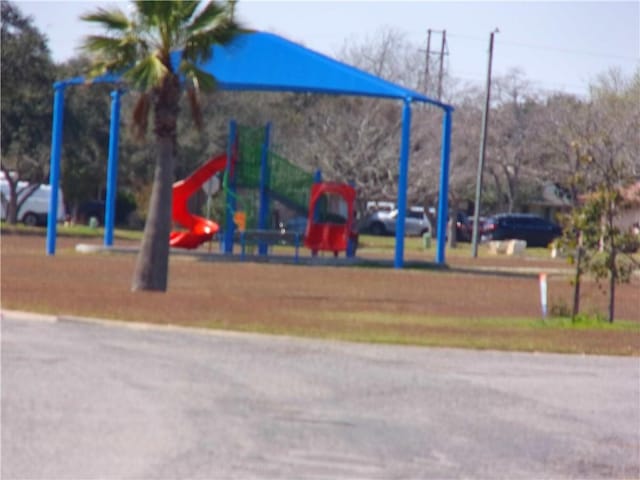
column 152, row 265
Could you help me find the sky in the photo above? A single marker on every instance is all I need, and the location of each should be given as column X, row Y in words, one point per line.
column 559, row 46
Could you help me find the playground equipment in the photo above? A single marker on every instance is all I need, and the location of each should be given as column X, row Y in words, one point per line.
column 254, row 168
column 260, row 61
column 331, row 219
column 276, row 179
column 199, row 229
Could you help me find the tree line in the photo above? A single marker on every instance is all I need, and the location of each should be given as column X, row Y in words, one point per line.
column 531, row 142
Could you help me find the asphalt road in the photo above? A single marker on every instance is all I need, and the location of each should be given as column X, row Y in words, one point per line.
column 90, row 400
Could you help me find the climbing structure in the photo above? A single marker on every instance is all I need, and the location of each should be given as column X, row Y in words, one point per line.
column 253, row 178
column 281, row 180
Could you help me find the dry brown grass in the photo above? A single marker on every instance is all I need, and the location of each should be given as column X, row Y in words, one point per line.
column 368, row 304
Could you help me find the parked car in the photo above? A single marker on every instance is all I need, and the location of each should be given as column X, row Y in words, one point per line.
column 535, row 230
column 464, row 227
column 125, row 205
column 35, row 207
column 384, row 223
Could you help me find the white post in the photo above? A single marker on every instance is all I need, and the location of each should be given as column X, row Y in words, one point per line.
column 543, row 294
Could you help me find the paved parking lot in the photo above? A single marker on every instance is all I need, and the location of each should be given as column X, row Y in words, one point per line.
column 99, row 400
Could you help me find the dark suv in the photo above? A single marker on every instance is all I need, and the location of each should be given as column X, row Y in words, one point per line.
column 535, row 230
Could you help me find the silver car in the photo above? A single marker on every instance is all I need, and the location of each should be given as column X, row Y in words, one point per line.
column 384, row 223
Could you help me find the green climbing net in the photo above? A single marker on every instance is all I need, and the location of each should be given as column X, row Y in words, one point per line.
column 288, row 183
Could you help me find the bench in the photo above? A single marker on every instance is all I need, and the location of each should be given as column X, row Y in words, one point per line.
column 268, row 238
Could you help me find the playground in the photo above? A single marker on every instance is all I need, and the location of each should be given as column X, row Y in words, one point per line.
column 489, row 303
column 496, row 308
column 258, row 61
column 257, row 184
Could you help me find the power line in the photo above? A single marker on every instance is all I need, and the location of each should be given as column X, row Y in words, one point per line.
column 550, row 48
column 568, row 50
column 478, row 77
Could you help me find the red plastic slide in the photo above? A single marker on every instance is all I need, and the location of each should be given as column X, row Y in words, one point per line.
column 199, row 229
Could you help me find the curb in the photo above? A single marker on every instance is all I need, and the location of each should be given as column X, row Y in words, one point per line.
column 137, row 326
column 28, row 316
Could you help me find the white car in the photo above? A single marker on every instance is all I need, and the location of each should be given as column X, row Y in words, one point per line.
column 384, row 223
column 35, row 209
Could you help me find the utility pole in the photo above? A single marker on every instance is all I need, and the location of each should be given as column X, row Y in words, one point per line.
column 440, row 72
column 441, row 54
column 483, row 146
column 426, row 63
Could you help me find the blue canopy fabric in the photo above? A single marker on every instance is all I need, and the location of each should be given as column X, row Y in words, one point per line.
column 267, row 62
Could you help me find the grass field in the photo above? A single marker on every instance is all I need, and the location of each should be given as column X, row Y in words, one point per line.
column 486, row 303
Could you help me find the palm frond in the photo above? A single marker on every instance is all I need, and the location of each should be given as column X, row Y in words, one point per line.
column 147, row 9
column 211, row 13
column 141, row 45
column 155, row 13
column 186, row 9
column 112, row 54
column 201, row 79
column 99, row 43
column 97, row 69
column 113, row 19
column 213, row 25
column 163, row 23
column 194, row 103
column 147, row 73
column 198, row 46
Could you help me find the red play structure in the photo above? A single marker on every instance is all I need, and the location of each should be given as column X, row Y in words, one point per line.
column 331, row 218
column 199, row 229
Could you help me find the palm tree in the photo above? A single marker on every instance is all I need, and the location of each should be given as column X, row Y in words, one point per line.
column 139, row 46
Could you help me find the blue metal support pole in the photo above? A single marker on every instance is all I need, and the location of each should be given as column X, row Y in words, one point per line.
column 443, row 197
column 403, row 181
column 317, row 178
column 112, row 169
column 230, row 194
column 54, row 173
column 263, row 212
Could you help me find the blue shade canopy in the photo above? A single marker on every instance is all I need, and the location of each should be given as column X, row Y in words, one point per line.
column 268, row 62
column 262, row 61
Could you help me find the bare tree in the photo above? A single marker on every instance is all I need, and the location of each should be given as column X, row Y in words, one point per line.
column 513, row 140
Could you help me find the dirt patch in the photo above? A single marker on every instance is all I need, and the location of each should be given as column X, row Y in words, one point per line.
column 243, row 295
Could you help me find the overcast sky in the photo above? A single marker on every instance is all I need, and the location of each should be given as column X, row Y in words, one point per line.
column 559, row 45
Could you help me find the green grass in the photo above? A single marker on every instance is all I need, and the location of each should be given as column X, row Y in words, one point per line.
column 415, row 244
column 559, row 335
column 83, row 231
column 561, row 323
